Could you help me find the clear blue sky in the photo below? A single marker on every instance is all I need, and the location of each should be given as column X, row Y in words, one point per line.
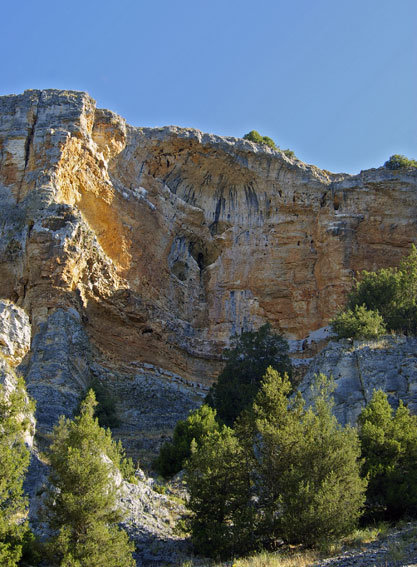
column 334, row 80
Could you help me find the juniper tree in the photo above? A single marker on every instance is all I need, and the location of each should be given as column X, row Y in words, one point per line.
column 218, row 481
column 389, row 447
column 81, row 507
column 388, row 293
column 14, row 461
column 246, row 362
column 173, row 454
column 287, row 471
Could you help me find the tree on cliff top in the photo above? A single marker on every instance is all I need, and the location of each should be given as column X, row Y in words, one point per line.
column 81, row 507
column 398, row 161
column 254, row 136
column 246, row 363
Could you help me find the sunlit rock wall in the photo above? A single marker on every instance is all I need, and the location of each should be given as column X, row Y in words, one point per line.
column 166, row 241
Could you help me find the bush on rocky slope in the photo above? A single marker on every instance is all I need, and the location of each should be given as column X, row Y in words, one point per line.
column 358, row 323
column 390, row 293
column 398, row 161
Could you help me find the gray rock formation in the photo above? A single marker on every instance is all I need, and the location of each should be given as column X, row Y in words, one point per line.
column 15, row 332
column 360, row 367
column 58, row 371
column 14, row 343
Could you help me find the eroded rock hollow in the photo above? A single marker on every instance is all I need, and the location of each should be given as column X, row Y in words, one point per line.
column 137, row 252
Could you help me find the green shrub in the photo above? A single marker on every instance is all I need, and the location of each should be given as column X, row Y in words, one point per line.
column 254, row 136
column 398, row 161
column 389, row 447
column 358, row 323
column 246, row 363
column 391, row 292
column 173, row 454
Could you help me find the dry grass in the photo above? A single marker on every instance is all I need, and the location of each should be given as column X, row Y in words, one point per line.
column 300, row 559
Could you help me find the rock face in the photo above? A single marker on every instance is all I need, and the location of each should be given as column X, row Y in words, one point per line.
column 150, row 517
column 130, row 255
column 137, row 252
column 14, row 344
column 14, row 333
column 359, row 368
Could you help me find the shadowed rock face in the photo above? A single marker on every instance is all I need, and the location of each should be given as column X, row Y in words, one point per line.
column 360, row 367
column 136, row 248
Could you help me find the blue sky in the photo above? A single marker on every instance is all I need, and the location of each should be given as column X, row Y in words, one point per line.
column 334, row 80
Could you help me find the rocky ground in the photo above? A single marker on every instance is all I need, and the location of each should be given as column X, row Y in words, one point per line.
column 398, row 548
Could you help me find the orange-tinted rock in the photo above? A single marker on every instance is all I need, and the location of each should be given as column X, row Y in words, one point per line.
column 168, row 240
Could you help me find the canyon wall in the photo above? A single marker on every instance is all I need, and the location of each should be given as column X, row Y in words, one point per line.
column 139, row 251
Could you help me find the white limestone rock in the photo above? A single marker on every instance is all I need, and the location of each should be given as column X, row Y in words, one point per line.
column 15, row 332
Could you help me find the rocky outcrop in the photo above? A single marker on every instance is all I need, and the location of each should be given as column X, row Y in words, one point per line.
column 150, row 517
column 14, row 333
column 360, row 367
column 137, row 252
column 14, row 344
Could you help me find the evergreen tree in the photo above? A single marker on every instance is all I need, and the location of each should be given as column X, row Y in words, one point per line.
column 246, row 363
column 106, row 405
column 173, row 454
column 359, row 323
column 81, row 505
column 14, row 461
column 390, row 293
column 306, row 466
column 285, row 472
column 389, row 446
column 218, row 481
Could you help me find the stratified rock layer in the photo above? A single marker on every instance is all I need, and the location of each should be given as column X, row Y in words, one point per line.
column 358, row 368
column 130, row 246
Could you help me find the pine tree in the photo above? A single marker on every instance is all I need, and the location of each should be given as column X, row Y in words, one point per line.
column 81, row 505
column 14, row 461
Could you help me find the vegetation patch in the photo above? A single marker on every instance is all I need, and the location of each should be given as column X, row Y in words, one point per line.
column 254, row 136
column 285, row 473
column 247, row 360
column 398, row 161
column 385, row 300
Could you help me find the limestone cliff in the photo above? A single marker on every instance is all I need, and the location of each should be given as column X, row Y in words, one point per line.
column 360, row 367
column 137, row 252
